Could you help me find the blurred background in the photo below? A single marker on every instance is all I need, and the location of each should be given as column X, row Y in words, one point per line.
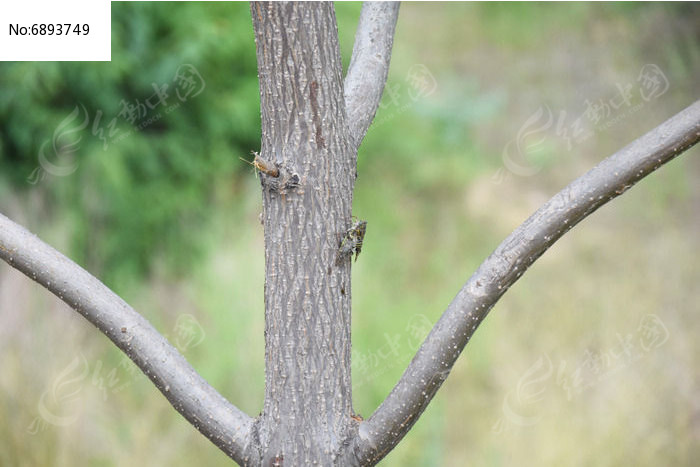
column 132, row 168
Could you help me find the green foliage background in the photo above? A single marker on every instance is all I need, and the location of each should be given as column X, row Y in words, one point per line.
column 142, row 196
column 168, row 217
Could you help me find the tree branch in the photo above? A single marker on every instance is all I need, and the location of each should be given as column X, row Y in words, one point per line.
column 369, row 65
column 224, row 424
column 434, row 360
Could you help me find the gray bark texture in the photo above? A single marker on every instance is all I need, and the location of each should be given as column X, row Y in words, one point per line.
column 311, row 128
column 306, row 208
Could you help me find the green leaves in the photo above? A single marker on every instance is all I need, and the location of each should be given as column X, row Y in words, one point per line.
column 147, row 163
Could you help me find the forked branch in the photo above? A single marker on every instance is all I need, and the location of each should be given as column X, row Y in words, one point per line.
column 369, row 65
column 225, row 425
column 433, row 361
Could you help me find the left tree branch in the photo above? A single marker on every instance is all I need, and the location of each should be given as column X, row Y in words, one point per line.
column 369, row 65
column 224, row 424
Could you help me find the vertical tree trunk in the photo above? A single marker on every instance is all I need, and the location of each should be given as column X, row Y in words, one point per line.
column 307, row 172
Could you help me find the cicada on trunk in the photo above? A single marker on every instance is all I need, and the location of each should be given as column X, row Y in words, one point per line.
column 351, row 242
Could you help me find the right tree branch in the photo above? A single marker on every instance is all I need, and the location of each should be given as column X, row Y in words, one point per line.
column 369, row 65
column 433, row 361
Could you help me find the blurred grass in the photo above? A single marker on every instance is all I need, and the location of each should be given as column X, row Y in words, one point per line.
column 426, row 186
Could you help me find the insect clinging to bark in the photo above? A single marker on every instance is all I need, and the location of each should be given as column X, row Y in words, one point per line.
column 360, row 228
column 351, row 242
column 262, row 165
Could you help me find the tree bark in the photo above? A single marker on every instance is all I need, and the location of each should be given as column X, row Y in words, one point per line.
column 306, row 208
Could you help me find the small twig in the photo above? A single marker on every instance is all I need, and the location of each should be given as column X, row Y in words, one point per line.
column 369, row 65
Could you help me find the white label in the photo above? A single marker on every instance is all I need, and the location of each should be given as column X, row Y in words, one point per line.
column 62, row 30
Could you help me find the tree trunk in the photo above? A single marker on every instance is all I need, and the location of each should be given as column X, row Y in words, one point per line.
column 307, row 172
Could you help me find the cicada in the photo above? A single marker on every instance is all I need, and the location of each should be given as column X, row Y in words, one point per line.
column 351, row 242
column 359, row 230
column 263, row 165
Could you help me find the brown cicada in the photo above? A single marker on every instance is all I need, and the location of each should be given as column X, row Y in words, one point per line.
column 262, row 165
